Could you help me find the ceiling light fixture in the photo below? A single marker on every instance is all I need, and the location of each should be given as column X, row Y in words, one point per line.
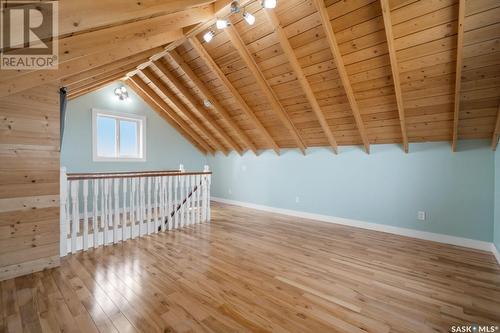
column 269, row 4
column 221, row 24
column 208, row 36
column 249, row 18
column 207, row 103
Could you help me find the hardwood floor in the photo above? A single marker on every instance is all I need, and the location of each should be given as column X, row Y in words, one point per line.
column 254, row 271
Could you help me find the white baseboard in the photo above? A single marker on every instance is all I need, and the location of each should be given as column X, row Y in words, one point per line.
column 431, row 236
column 495, row 252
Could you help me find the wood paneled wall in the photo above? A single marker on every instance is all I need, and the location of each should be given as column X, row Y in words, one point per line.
column 29, row 181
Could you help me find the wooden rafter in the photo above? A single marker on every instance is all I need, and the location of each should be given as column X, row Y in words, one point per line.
column 458, row 72
column 122, row 64
column 176, row 58
column 297, row 69
column 337, row 56
column 81, row 64
column 154, row 99
column 264, row 85
column 176, row 104
column 196, row 105
column 98, row 78
column 212, row 65
column 496, row 132
column 386, row 13
column 98, row 84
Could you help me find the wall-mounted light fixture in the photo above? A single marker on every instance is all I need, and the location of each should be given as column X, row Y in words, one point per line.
column 121, row 94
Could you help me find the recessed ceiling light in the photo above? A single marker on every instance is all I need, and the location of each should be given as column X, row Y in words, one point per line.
column 269, row 4
column 208, row 36
column 207, row 103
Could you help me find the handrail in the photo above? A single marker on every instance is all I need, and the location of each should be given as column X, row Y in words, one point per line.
column 81, row 176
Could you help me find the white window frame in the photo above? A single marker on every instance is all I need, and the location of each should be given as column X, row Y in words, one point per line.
column 119, row 116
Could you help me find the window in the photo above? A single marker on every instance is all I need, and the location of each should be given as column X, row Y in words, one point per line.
column 118, row 137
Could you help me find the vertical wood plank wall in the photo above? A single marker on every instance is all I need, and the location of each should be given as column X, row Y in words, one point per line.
column 29, row 181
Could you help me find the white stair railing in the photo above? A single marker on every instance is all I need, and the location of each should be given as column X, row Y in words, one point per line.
column 107, row 208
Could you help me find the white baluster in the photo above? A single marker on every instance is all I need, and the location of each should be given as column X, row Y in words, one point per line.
column 163, row 199
column 63, row 235
column 68, row 216
column 132, row 207
column 204, row 198
column 193, row 199
column 95, row 226
column 75, row 214
column 142, row 208
column 198, row 198
column 85, row 235
column 175, row 179
column 110, row 207
column 155, row 204
column 181, row 200
column 116, row 220
column 169, row 181
column 124, row 209
column 148, row 207
column 105, row 212
column 187, row 205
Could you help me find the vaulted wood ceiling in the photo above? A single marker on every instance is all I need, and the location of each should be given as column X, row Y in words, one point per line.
column 308, row 73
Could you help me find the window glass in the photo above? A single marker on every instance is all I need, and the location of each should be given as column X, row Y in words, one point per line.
column 106, row 136
column 129, row 138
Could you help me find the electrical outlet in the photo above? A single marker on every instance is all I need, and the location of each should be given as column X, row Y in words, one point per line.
column 297, row 199
column 421, row 216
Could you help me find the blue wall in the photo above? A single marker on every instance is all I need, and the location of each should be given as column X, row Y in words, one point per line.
column 386, row 187
column 165, row 147
column 497, row 200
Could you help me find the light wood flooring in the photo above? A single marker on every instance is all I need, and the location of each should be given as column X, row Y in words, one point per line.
column 255, row 271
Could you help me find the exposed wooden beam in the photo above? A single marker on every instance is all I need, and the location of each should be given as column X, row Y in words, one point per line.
column 339, row 62
column 196, row 105
column 177, row 59
column 97, row 78
column 458, row 72
column 264, row 85
column 496, row 132
column 176, row 104
column 212, row 65
column 141, row 85
column 79, row 65
column 297, row 69
column 76, row 16
column 95, row 84
column 120, row 65
column 386, row 14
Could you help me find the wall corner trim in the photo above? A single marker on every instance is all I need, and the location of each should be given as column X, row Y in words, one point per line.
column 495, row 252
column 425, row 235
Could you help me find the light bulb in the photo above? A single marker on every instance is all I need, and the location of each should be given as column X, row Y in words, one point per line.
column 208, row 36
column 249, row 18
column 269, row 4
column 221, row 24
column 124, row 90
column 118, row 91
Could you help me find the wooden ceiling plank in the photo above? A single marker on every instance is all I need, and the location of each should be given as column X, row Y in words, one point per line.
column 297, row 69
column 113, row 73
column 177, row 105
column 242, row 104
column 177, row 59
column 458, row 72
column 141, row 85
column 496, row 132
column 386, row 14
column 337, row 57
column 264, row 85
column 97, row 84
column 197, row 105
column 82, row 64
